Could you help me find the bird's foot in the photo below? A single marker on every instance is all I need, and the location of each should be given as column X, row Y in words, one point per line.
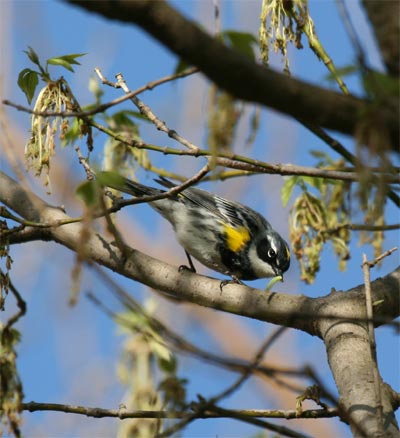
column 233, row 280
column 186, row 268
column 191, row 267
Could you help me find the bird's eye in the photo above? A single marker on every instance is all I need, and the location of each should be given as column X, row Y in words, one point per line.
column 266, row 252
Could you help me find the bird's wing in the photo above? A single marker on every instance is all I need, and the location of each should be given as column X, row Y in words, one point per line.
column 226, row 211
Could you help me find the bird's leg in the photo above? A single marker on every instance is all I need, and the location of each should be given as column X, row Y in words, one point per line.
column 191, row 265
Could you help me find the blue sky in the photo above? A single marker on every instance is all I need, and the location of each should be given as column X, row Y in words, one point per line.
column 68, row 355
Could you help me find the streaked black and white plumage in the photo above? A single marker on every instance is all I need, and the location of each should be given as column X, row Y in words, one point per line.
column 223, row 235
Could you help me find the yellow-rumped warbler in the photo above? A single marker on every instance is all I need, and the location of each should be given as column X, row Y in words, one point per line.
column 223, row 235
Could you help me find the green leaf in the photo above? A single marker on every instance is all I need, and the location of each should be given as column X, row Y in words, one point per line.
column 316, row 182
column 342, row 72
column 27, row 82
column 32, row 56
column 65, row 61
column 60, row 62
column 89, row 193
column 111, row 179
column 71, row 58
column 241, row 41
column 380, row 85
column 167, row 365
column 320, row 154
column 137, row 115
column 287, row 189
column 121, row 119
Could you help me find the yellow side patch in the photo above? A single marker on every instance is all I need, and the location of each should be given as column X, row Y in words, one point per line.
column 236, row 238
column 287, row 252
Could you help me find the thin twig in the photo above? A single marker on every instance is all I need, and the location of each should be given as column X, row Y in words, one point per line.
column 363, row 227
column 112, row 228
column 119, row 205
column 103, row 107
column 281, row 430
column 235, row 161
column 90, row 174
column 348, row 24
column 376, row 260
column 123, row 414
column 4, row 212
column 372, row 341
column 243, row 163
column 146, row 111
column 167, row 194
column 20, row 304
column 328, row 395
column 249, row 371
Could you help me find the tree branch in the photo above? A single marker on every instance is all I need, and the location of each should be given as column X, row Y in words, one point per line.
column 385, row 23
column 123, row 413
column 346, row 341
column 240, row 76
column 235, row 161
column 104, row 106
column 351, row 362
column 277, row 308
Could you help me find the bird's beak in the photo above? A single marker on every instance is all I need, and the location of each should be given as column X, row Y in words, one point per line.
column 278, row 271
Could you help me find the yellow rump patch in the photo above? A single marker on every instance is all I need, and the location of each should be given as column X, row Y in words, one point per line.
column 236, row 238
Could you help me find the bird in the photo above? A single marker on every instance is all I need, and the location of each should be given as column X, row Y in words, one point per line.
column 225, row 236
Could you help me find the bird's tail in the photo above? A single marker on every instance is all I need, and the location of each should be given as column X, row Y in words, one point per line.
column 125, row 185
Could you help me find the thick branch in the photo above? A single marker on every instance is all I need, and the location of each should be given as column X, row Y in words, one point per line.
column 352, row 363
column 240, row 76
column 385, row 20
column 277, row 308
column 187, row 286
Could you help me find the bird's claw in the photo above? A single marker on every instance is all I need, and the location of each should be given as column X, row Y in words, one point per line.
column 233, row 280
column 186, row 268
